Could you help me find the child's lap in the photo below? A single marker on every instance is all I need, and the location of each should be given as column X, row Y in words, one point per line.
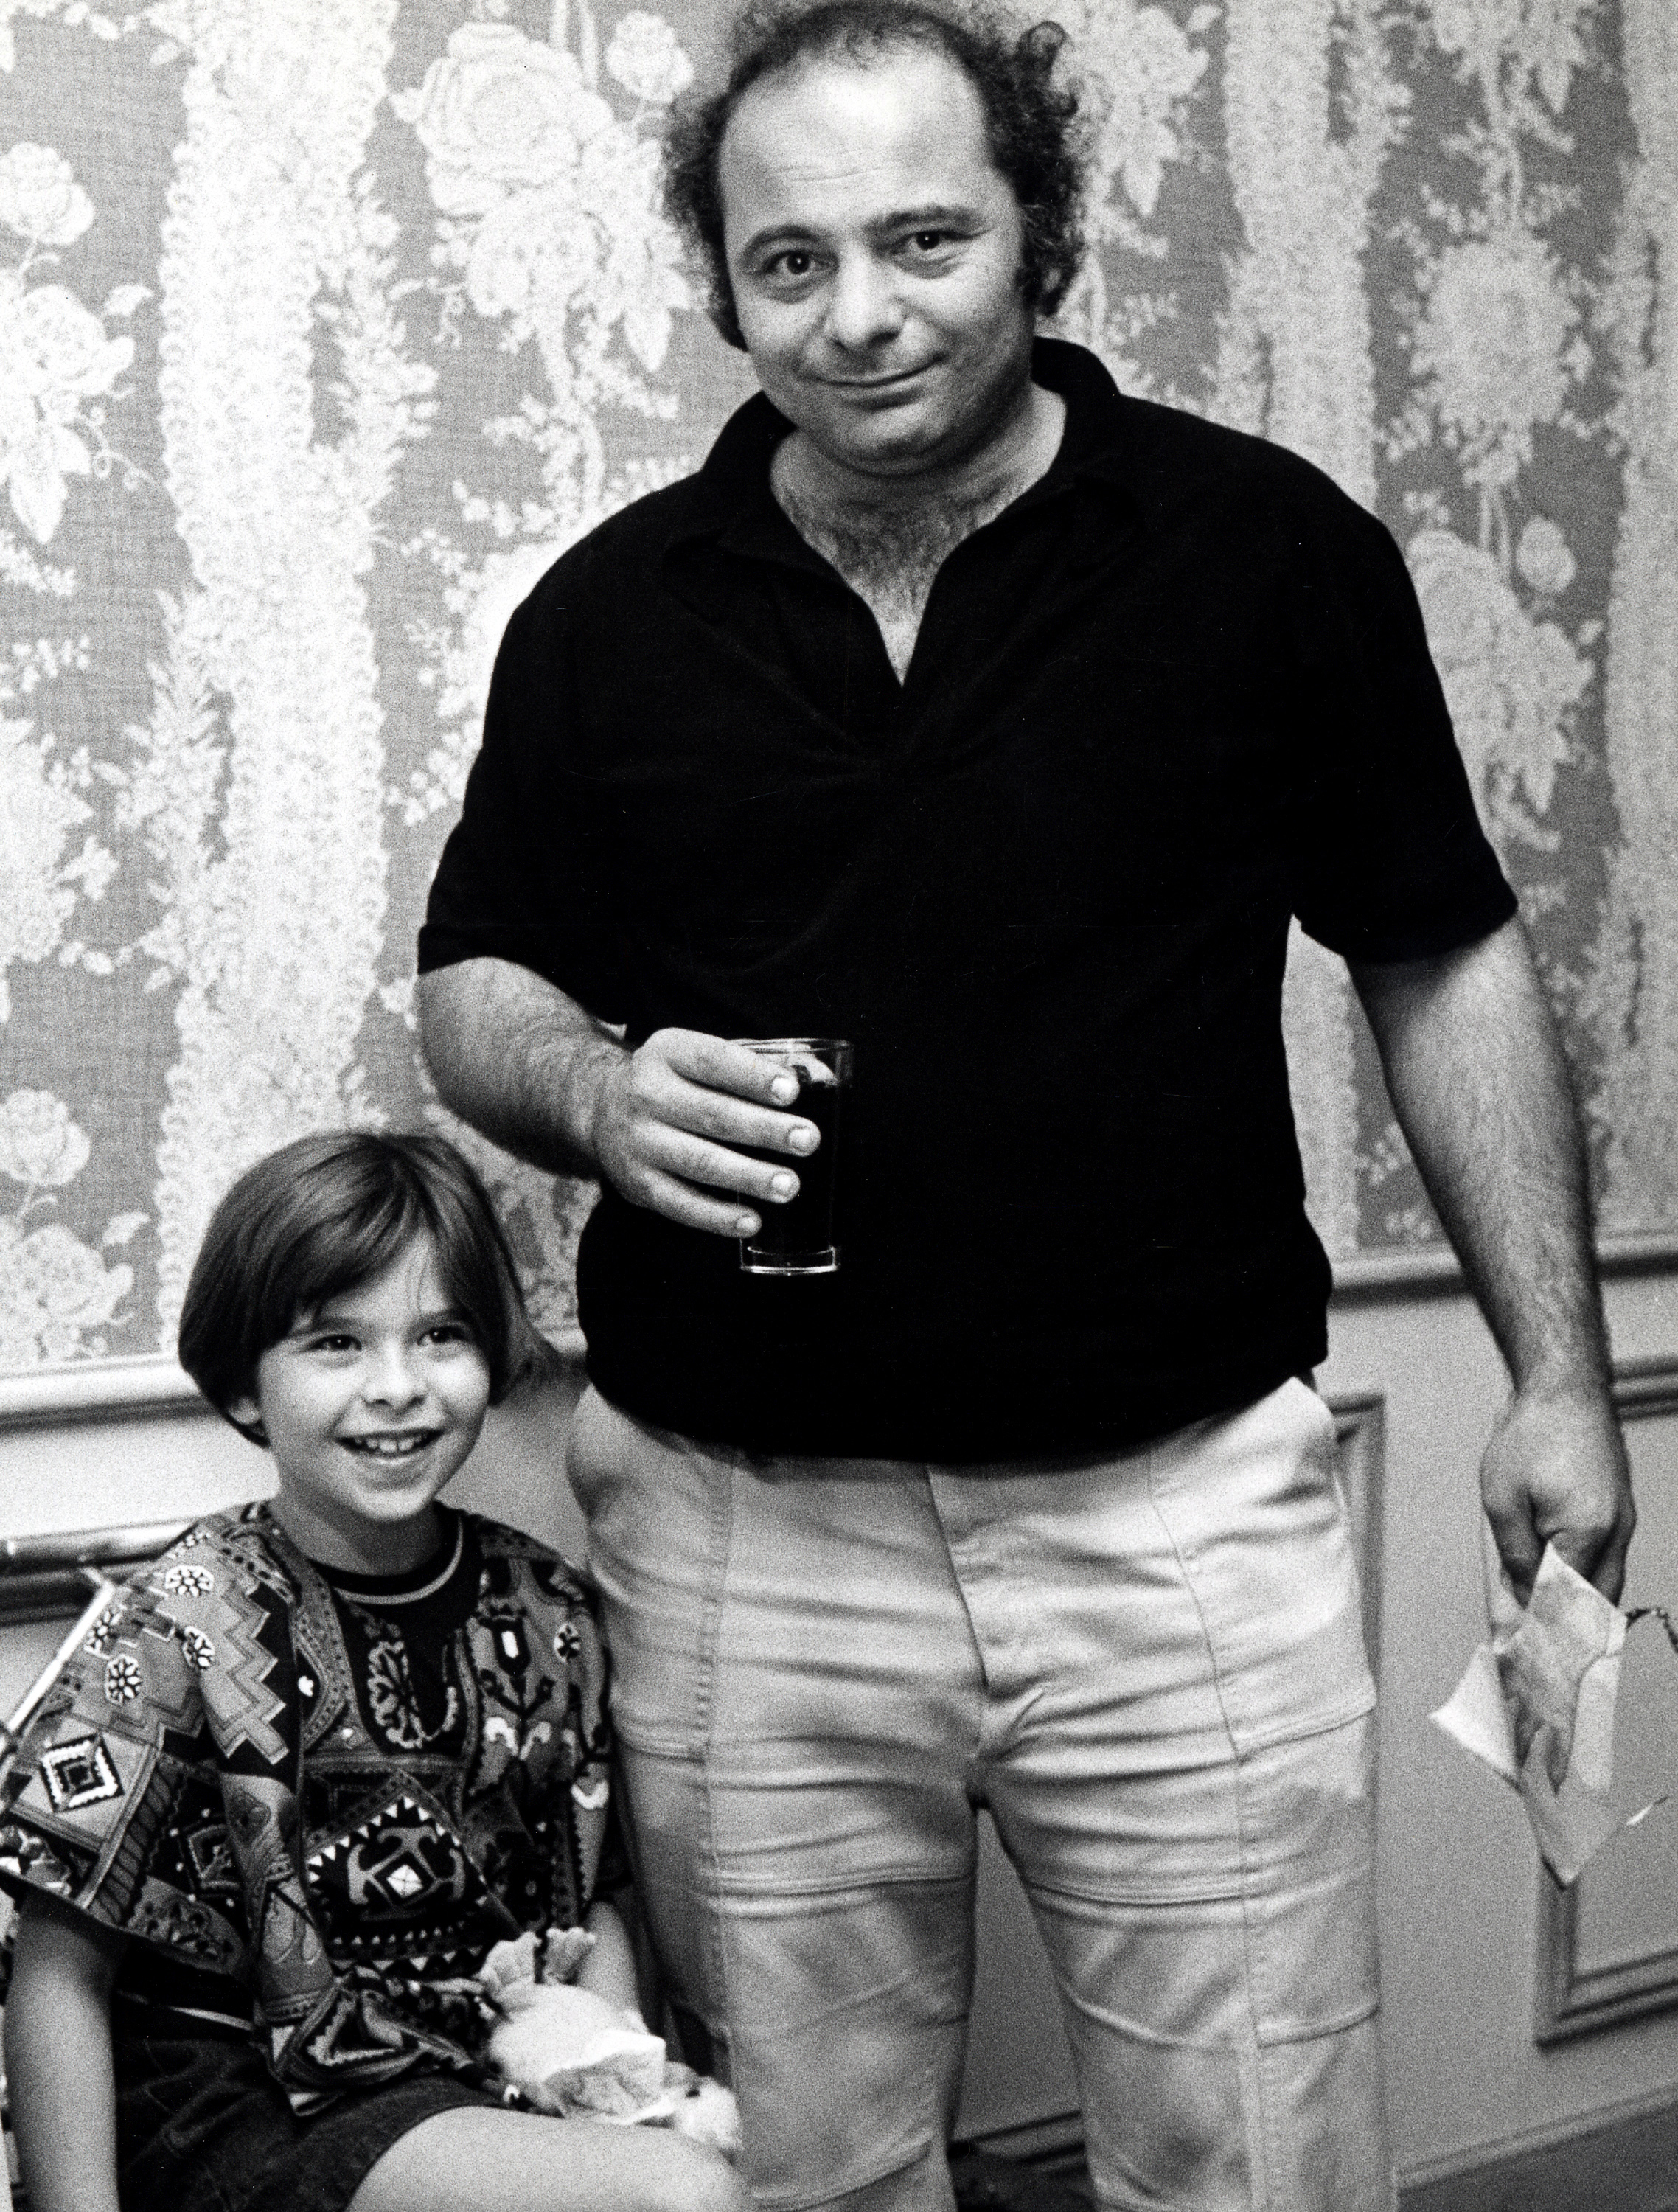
column 202, row 2127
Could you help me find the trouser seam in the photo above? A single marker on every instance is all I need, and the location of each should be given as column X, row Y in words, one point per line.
column 930, row 1475
column 717, row 1934
column 1323, row 2031
column 720, row 1487
column 1262, row 2193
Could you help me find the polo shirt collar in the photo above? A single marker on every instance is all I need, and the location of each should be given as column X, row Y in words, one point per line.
column 733, row 502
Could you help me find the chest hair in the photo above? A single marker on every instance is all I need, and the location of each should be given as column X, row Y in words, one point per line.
column 891, row 559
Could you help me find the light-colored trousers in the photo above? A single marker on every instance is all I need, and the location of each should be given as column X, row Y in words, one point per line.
column 1150, row 1668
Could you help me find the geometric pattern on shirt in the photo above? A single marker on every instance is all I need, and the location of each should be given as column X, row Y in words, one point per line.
column 149, row 1677
column 392, row 1697
column 190, row 1928
column 319, row 1663
column 294, row 1969
column 210, row 1852
column 79, row 1773
column 124, row 1680
column 221, row 1631
column 26, row 1856
column 192, row 1851
column 401, row 1884
column 355, row 2034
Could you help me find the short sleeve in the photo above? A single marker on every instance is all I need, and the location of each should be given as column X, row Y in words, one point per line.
column 525, row 876
column 111, row 1805
column 1390, row 860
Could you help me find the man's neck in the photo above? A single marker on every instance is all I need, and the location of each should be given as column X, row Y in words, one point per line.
column 888, row 536
column 1018, row 451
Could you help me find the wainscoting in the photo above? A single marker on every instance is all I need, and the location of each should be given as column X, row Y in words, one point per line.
column 1607, row 1947
column 1517, row 2021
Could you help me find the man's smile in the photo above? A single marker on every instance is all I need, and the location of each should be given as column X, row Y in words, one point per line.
column 876, row 382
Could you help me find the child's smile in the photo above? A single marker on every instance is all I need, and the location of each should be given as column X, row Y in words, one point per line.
column 370, row 1405
column 390, row 1447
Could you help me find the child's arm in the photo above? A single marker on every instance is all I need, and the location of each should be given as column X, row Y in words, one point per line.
column 59, row 2060
column 609, row 1968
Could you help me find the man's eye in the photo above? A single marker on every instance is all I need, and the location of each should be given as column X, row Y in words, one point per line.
column 795, row 263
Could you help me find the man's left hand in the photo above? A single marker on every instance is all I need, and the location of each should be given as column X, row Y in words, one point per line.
column 1555, row 1472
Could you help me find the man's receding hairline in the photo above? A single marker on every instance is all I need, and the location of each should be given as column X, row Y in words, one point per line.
column 806, row 62
column 892, row 45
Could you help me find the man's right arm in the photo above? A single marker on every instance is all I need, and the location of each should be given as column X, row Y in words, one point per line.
column 542, row 1078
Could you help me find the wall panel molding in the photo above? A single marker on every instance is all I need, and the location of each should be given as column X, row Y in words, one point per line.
column 1434, row 1270
column 1572, row 1997
column 131, row 1390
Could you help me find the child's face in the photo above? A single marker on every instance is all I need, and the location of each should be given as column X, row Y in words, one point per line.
column 369, row 1405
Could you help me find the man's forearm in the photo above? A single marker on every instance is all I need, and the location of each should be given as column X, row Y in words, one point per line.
column 1481, row 1091
column 517, row 1059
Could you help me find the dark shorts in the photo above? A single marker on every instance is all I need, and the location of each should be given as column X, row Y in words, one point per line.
column 202, row 2126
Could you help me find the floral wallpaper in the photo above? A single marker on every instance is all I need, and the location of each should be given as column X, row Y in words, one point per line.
column 326, row 324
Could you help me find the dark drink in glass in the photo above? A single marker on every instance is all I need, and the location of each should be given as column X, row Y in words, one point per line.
column 796, row 1238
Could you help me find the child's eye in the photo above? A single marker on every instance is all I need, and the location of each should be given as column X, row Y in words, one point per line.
column 336, row 1340
column 450, row 1332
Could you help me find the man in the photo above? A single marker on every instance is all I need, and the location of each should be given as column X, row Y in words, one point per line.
column 961, row 708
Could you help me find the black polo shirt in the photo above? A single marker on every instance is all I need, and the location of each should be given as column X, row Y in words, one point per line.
column 1176, row 693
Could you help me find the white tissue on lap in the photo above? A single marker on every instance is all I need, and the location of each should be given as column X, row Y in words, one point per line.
column 570, row 2051
column 511, row 1964
column 707, row 2114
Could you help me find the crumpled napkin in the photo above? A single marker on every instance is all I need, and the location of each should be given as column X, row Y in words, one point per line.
column 1539, row 1700
column 569, row 2048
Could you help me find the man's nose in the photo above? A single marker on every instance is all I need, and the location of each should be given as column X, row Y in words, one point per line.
column 863, row 306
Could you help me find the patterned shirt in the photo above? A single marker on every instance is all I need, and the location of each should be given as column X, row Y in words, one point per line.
column 329, row 1794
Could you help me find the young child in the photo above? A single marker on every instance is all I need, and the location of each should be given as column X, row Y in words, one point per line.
column 311, row 1767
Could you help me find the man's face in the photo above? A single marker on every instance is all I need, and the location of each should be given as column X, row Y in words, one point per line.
column 874, row 250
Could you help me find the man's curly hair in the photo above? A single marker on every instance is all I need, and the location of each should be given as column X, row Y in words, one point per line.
column 1031, row 121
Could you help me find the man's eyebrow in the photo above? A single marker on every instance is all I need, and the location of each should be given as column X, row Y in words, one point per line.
column 932, row 217
column 936, row 216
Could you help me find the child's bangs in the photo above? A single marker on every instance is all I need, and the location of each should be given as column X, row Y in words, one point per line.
column 476, row 1271
column 337, row 1254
